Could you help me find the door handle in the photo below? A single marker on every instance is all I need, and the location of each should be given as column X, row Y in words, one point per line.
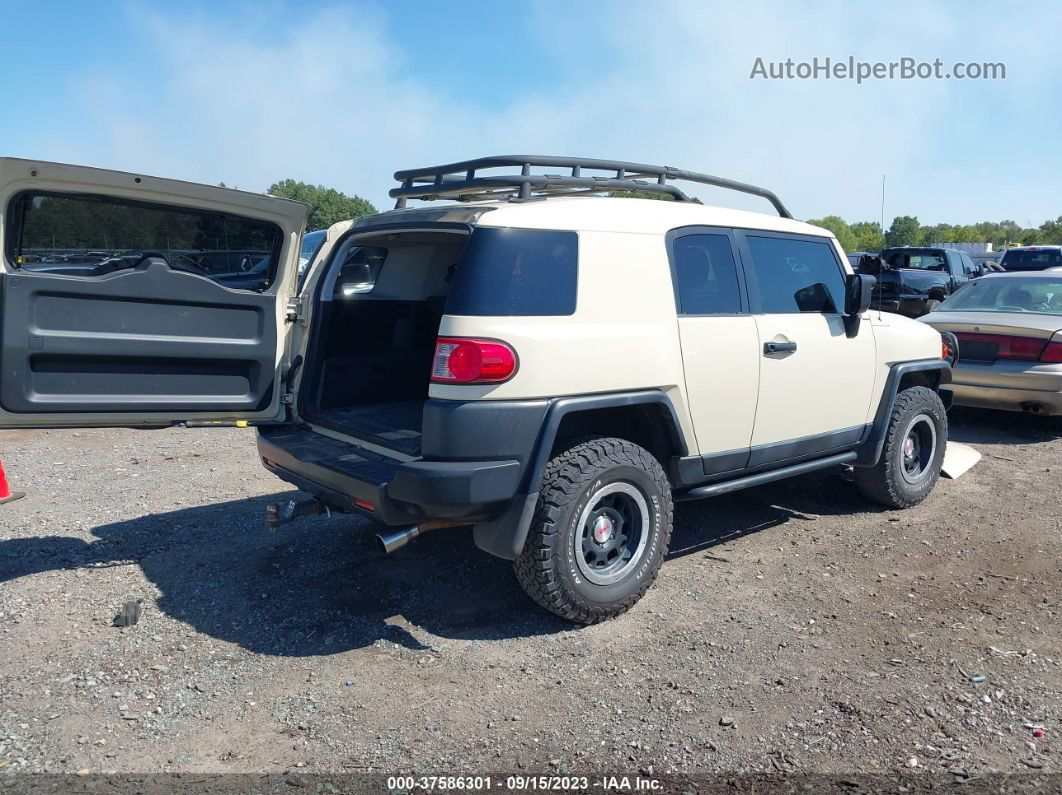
column 778, row 347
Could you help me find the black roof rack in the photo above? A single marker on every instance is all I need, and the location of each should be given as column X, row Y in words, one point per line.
column 459, row 180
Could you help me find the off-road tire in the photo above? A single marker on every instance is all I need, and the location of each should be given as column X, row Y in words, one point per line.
column 884, row 483
column 548, row 569
column 932, row 305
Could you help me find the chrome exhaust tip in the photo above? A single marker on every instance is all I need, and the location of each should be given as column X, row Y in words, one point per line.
column 396, row 539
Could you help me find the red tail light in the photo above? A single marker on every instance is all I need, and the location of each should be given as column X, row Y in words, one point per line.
column 469, row 361
column 1027, row 349
column 1052, row 353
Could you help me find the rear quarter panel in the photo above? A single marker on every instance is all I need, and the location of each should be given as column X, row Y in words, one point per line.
column 622, row 337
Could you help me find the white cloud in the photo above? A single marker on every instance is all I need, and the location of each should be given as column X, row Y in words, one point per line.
column 331, row 99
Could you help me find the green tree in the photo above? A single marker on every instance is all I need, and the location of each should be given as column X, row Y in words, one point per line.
column 905, row 231
column 841, row 230
column 868, row 236
column 1051, row 232
column 329, row 205
column 938, row 233
column 640, row 194
column 1029, row 237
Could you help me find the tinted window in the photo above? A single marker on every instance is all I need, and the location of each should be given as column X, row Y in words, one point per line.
column 505, row 272
column 311, row 242
column 705, row 275
column 1031, row 259
column 796, row 275
column 916, row 260
column 91, row 236
column 1008, row 294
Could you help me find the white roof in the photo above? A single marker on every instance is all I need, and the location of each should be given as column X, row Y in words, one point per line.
column 614, row 214
column 642, row 216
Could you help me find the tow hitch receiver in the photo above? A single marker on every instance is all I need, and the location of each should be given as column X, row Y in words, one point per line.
column 278, row 515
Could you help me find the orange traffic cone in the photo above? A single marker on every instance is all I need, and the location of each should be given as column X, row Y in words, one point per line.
column 6, row 495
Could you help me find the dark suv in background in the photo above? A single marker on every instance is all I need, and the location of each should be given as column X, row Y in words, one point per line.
column 1032, row 258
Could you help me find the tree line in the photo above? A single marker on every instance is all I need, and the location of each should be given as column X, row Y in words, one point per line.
column 86, row 222
column 907, row 231
column 328, row 204
column 52, row 221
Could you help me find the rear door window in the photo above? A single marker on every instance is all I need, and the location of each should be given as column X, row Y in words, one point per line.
column 516, row 272
column 706, row 277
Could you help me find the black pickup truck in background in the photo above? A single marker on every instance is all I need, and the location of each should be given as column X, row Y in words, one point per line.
column 914, row 280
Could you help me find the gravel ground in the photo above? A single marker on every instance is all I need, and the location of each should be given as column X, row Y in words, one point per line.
column 794, row 628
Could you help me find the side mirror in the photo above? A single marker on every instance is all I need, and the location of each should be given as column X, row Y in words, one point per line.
column 858, row 293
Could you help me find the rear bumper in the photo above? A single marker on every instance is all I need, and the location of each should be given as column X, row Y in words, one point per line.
column 1010, row 386
column 391, row 492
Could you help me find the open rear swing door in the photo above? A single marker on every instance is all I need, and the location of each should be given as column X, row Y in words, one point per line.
column 127, row 300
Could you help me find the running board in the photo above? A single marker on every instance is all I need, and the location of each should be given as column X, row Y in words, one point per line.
column 715, row 489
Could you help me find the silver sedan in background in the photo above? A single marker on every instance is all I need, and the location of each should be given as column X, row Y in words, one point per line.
column 1009, row 327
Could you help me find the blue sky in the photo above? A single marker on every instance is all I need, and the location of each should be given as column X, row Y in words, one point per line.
column 344, row 93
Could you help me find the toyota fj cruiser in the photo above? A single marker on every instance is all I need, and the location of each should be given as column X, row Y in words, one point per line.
column 548, row 365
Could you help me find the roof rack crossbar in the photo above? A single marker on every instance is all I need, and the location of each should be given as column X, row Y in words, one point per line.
column 460, row 180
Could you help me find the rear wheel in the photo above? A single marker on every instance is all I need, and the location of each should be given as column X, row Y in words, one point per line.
column 913, row 452
column 600, row 533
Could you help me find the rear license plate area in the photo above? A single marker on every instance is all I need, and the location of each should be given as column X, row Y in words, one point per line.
column 978, row 350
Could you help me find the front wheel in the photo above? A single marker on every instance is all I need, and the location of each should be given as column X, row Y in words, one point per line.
column 600, row 533
column 913, row 453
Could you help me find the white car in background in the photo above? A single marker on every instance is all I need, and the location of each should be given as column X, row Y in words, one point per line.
column 1009, row 327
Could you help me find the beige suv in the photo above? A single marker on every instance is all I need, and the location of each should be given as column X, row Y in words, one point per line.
column 548, row 365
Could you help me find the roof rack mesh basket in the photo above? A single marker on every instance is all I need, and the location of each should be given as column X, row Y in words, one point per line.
column 464, row 182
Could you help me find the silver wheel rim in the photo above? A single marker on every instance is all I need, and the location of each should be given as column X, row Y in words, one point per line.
column 612, row 533
column 918, row 448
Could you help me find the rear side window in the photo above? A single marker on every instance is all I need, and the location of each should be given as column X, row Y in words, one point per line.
column 92, row 236
column 360, row 270
column 706, row 277
column 795, row 275
column 516, row 272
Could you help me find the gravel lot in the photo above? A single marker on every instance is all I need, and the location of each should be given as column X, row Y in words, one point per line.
column 795, row 628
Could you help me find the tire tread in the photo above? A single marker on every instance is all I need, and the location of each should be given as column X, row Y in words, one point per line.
column 565, row 476
column 880, row 483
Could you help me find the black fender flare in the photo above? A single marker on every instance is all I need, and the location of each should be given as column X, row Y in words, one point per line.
column 869, row 451
column 505, row 536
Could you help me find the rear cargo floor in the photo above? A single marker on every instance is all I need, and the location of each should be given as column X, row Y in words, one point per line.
column 396, row 425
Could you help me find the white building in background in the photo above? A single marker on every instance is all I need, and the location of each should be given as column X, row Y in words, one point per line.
column 970, row 248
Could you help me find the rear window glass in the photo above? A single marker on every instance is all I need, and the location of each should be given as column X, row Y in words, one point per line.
column 1032, row 259
column 507, row 272
column 92, row 236
column 1008, row 294
column 916, row 260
